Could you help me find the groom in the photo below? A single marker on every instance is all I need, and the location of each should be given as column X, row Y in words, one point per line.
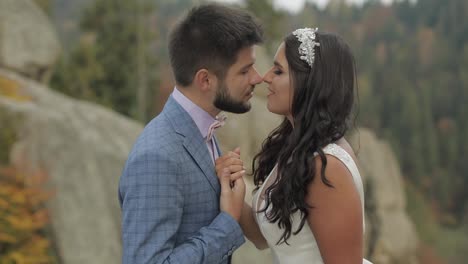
column 169, row 192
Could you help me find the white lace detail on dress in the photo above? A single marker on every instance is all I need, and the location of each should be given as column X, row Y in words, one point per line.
column 337, row 151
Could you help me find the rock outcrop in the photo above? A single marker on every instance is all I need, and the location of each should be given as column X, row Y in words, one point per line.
column 83, row 148
column 28, row 43
column 391, row 236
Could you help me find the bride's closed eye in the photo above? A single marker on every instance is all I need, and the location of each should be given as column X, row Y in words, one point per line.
column 278, row 72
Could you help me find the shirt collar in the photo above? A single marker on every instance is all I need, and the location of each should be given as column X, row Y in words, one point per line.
column 202, row 119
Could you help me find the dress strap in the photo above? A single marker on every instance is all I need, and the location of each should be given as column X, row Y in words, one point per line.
column 341, row 154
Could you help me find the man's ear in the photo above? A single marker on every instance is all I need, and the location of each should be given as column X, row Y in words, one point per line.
column 205, row 80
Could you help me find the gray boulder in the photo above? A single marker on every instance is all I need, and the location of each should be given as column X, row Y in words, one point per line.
column 83, row 148
column 28, row 42
column 391, row 236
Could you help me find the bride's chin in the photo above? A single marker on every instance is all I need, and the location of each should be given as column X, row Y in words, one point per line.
column 270, row 109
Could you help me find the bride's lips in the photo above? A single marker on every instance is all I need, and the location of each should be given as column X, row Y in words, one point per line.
column 270, row 92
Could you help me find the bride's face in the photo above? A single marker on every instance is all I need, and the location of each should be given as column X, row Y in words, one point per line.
column 279, row 86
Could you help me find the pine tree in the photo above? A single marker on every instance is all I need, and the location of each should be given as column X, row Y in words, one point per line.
column 106, row 65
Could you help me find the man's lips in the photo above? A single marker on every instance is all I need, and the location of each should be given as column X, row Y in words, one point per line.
column 251, row 93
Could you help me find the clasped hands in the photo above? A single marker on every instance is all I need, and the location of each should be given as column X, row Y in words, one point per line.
column 230, row 171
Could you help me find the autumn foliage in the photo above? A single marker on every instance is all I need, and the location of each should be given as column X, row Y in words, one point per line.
column 24, row 218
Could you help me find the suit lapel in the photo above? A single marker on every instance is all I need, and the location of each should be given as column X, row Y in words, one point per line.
column 194, row 143
column 199, row 152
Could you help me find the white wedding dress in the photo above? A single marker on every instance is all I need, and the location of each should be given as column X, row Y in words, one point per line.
column 302, row 247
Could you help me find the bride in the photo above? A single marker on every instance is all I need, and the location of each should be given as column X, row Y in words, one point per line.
column 309, row 202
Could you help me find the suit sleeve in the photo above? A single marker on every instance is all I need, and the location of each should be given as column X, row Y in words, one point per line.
column 152, row 208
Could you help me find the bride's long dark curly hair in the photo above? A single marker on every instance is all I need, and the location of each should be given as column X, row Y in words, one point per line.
column 321, row 108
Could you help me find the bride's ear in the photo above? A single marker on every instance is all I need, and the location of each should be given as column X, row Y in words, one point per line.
column 205, row 80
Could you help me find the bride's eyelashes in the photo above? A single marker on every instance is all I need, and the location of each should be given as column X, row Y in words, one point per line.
column 277, row 72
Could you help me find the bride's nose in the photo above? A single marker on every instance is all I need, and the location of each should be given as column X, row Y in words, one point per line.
column 267, row 77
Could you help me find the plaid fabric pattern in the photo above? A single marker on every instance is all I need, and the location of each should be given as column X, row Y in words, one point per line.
column 169, row 195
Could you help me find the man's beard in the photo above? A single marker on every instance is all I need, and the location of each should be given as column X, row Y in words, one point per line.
column 224, row 102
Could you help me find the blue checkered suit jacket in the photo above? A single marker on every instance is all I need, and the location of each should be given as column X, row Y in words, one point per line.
column 169, row 195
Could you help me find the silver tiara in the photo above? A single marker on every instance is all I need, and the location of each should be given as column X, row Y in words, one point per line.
column 307, row 48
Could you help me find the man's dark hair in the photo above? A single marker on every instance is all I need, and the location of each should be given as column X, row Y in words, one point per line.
column 210, row 37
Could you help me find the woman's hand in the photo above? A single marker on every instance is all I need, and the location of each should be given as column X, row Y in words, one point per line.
column 232, row 195
column 230, row 170
column 233, row 163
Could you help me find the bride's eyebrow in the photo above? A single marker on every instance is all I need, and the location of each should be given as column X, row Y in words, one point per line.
column 277, row 64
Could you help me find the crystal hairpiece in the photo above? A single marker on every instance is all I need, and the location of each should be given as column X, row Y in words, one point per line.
column 307, row 38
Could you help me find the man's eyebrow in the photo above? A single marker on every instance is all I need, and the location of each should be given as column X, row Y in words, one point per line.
column 247, row 66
